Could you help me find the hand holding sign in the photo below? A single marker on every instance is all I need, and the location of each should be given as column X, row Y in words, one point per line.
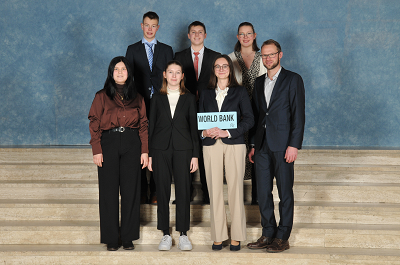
column 217, row 133
column 221, row 120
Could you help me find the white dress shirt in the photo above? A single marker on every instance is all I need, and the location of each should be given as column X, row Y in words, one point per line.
column 269, row 85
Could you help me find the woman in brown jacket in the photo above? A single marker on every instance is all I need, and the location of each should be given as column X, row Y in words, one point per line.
column 119, row 139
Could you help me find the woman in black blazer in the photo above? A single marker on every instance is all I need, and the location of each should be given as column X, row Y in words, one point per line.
column 174, row 150
column 225, row 150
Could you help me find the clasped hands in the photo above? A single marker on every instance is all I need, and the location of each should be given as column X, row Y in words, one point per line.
column 215, row 133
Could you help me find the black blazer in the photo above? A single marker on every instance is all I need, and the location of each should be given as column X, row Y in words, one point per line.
column 237, row 100
column 143, row 77
column 185, row 58
column 282, row 124
column 182, row 128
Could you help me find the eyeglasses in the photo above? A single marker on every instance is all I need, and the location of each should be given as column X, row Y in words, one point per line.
column 223, row 67
column 248, row 34
column 150, row 26
column 271, row 55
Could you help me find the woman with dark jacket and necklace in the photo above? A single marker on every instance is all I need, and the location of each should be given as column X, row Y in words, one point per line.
column 119, row 139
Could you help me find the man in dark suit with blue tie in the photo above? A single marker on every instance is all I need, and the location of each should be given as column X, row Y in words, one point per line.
column 148, row 58
column 197, row 65
column 279, row 110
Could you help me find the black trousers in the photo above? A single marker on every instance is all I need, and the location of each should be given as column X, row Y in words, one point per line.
column 202, row 171
column 120, row 174
column 268, row 165
column 146, row 185
column 165, row 164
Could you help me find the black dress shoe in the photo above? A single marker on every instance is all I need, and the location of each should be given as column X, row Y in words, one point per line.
column 216, row 247
column 206, row 201
column 143, row 199
column 234, row 248
column 278, row 245
column 262, row 242
column 128, row 245
column 112, row 247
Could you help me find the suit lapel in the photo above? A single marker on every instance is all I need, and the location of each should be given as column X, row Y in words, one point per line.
column 261, row 93
column 167, row 108
column 156, row 53
column 189, row 62
column 212, row 99
column 143, row 54
column 227, row 98
column 179, row 105
column 204, row 64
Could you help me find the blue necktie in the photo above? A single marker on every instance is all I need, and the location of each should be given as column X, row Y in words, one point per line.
column 150, row 58
column 150, row 55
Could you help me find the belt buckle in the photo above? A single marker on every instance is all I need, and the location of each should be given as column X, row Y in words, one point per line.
column 121, row 129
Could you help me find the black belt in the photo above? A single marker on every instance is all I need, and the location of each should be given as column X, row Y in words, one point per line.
column 119, row 129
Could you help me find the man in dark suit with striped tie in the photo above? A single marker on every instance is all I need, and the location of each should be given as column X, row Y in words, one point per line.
column 148, row 58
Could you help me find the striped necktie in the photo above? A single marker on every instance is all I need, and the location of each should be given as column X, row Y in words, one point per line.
column 150, row 55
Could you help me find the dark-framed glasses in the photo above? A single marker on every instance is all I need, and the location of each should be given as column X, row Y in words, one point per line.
column 223, row 67
column 271, row 55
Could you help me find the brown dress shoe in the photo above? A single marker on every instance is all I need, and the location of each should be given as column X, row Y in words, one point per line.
column 262, row 242
column 278, row 245
column 153, row 200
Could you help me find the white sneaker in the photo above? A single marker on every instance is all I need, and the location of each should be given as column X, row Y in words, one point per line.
column 184, row 243
column 166, row 243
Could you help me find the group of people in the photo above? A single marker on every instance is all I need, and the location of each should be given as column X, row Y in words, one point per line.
column 146, row 116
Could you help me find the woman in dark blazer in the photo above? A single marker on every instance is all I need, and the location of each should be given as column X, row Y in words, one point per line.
column 225, row 150
column 174, row 150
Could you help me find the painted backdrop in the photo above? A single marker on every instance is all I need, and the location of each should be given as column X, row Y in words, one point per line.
column 54, row 56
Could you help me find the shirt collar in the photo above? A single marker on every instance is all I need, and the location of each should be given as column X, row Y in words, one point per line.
column 219, row 90
column 275, row 76
column 200, row 52
column 154, row 41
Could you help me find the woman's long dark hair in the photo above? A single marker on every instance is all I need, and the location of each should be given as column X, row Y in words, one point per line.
column 110, row 86
column 213, row 78
column 238, row 46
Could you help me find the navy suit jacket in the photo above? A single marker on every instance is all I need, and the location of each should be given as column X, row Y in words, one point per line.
column 182, row 128
column 191, row 83
column 143, row 77
column 282, row 123
column 237, row 100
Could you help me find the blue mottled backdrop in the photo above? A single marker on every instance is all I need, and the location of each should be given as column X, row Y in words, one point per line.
column 54, row 56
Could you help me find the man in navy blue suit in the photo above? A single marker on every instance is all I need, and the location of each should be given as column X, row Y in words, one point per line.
column 148, row 58
column 279, row 110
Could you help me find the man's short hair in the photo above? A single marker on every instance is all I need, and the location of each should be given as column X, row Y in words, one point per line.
column 274, row 42
column 196, row 23
column 151, row 15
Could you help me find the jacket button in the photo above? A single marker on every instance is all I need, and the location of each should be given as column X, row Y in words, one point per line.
column 267, row 114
